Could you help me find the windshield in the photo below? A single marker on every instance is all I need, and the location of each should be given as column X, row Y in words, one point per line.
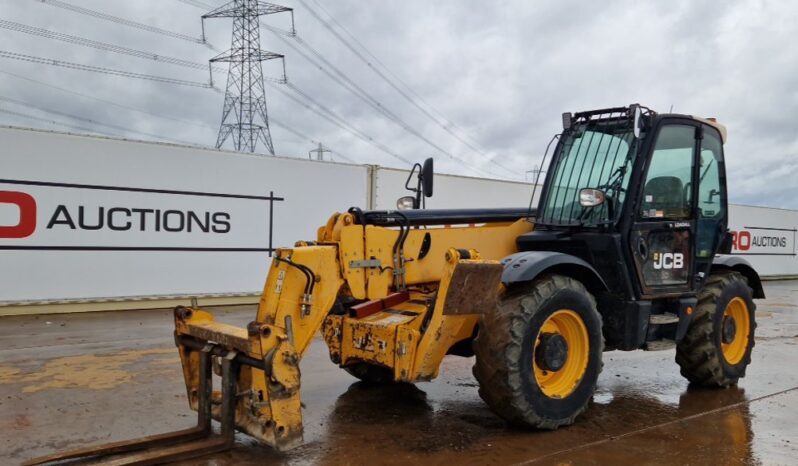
column 593, row 155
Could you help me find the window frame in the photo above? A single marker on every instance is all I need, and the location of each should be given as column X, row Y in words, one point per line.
column 549, row 190
column 649, row 158
column 721, row 168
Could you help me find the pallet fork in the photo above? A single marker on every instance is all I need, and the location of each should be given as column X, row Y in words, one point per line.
column 183, row 444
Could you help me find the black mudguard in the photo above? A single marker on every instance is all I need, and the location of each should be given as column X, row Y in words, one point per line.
column 526, row 266
column 738, row 264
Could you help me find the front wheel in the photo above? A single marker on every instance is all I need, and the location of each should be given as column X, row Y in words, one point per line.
column 717, row 347
column 538, row 353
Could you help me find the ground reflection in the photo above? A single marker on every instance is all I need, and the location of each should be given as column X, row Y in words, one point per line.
column 704, row 427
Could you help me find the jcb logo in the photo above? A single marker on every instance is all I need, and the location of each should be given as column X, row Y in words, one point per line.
column 27, row 214
column 668, row 260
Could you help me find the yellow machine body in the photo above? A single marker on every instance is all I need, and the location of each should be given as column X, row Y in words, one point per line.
column 417, row 303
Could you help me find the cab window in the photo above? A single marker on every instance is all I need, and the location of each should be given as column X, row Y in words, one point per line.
column 667, row 189
column 711, row 196
column 710, row 192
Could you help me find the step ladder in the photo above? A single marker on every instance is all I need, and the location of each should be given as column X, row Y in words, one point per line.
column 664, row 343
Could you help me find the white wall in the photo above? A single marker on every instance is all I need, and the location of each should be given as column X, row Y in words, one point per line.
column 450, row 191
column 766, row 238
column 59, row 262
column 174, row 263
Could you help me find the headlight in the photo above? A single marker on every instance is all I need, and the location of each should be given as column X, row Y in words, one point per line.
column 591, row 197
column 406, row 203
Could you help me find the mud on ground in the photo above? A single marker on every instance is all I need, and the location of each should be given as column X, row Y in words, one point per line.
column 74, row 380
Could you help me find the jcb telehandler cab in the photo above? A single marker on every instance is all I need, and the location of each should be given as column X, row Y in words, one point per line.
column 622, row 253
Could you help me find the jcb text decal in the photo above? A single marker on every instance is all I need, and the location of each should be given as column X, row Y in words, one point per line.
column 668, row 260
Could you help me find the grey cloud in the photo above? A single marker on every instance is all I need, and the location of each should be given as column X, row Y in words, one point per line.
column 501, row 71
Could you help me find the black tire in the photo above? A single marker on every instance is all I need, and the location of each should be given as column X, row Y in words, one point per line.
column 505, row 353
column 370, row 373
column 699, row 353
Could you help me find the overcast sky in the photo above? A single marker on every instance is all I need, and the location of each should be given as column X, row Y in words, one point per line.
column 501, row 72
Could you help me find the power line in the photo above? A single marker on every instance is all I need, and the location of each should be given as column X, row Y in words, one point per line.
column 99, row 69
column 123, row 21
column 162, row 31
column 324, row 110
column 54, row 122
column 335, row 119
column 445, row 121
column 82, row 41
column 197, row 4
column 319, row 151
column 105, row 101
column 331, row 116
column 341, row 155
column 357, row 53
column 245, row 118
column 206, row 6
column 77, row 40
column 345, row 84
column 445, row 125
column 93, row 122
column 157, row 115
column 302, row 136
column 96, row 131
column 341, row 78
column 347, row 126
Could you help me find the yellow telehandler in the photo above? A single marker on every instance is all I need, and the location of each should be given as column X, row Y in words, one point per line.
column 626, row 250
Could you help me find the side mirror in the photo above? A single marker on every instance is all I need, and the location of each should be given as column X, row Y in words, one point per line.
column 423, row 185
column 426, row 177
column 589, row 197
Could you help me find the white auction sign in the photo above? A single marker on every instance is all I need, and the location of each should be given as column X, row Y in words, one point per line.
column 88, row 218
column 766, row 237
column 55, row 216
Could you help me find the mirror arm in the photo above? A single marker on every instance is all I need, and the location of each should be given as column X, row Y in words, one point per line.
column 610, row 208
column 419, row 193
column 410, row 177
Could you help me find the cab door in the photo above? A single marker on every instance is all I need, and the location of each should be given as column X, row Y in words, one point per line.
column 663, row 231
column 712, row 207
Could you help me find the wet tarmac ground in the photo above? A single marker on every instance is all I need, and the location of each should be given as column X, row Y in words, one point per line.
column 75, row 380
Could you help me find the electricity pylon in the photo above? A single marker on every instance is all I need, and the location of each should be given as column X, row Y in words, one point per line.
column 245, row 119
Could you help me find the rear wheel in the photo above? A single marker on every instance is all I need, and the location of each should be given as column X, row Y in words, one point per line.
column 538, row 353
column 717, row 347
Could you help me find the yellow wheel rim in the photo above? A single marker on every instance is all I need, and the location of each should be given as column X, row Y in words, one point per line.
column 734, row 350
column 561, row 383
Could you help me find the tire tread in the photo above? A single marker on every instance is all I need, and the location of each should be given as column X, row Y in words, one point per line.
column 498, row 351
column 699, row 359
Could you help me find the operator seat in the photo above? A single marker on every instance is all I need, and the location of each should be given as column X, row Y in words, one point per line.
column 664, row 196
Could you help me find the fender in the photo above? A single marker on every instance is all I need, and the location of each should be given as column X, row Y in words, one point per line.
column 738, row 264
column 526, row 266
